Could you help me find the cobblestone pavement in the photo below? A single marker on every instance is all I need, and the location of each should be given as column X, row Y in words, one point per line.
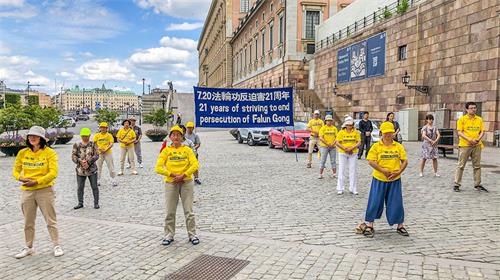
column 263, row 206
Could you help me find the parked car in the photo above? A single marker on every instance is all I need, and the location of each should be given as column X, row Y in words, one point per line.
column 253, row 136
column 66, row 121
column 289, row 138
column 376, row 131
column 83, row 117
column 234, row 133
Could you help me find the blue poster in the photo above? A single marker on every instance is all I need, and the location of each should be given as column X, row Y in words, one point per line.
column 343, row 65
column 236, row 108
column 358, row 61
column 376, row 55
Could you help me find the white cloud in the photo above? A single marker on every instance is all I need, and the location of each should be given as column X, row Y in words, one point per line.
column 185, row 26
column 14, row 77
column 189, row 9
column 67, row 75
column 188, row 74
column 4, row 49
column 179, row 43
column 17, row 9
column 105, row 69
column 87, row 54
column 158, row 58
column 181, row 85
column 12, row 3
column 120, row 88
column 17, row 60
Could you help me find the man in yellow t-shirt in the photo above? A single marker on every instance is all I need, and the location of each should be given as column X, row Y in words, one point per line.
column 470, row 129
column 348, row 141
column 313, row 126
column 105, row 141
column 327, row 135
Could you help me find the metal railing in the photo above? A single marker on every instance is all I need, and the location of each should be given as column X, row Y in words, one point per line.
column 382, row 14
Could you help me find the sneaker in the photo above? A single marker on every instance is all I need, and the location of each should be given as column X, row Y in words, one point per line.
column 58, row 251
column 437, row 175
column 26, row 251
column 456, row 188
column 481, row 188
column 334, row 175
column 320, row 176
column 197, row 181
column 78, row 206
column 114, row 184
column 120, row 173
column 140, row 165
column 421, row 174
column 128, row 166
column 96, row 206
column 340, row 192
column 134, row 173
column 309, row 165
column 355, row 193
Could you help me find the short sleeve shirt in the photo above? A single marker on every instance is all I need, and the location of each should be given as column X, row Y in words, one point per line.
column 315, row 125
column 329, row 134
column 471, row 127
column 348, row 139
column 388, row 158
column 103, row 141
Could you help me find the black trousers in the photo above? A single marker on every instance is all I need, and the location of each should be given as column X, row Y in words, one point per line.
column 93, row 184
column 365, row 145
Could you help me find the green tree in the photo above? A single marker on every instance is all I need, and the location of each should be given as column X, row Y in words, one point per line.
column 47, row 117
column 158, row 117
column 33, row 100
column 104, row 115
column 14, row 118
column 12, row 99
column 403, row 6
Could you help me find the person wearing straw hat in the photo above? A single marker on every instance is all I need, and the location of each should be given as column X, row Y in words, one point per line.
column 388, row 160
column 36, row 168
column 126, row 137
column 177, row 163
column 85, row 156
column 105, row 141
column 348, row 141
column 327, row 137
column 313, row 126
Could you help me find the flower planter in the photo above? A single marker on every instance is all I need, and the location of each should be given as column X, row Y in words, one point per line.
column 51, row 142
column 11, row 150
column 61, row 140
column 157, row 137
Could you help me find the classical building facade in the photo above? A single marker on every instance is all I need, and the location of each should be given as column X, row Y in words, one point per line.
column 157, row 98
column 78, row 98
column 44, row 100
column 451, row 47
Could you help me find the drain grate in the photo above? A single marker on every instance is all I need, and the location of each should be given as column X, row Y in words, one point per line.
column 206, row 267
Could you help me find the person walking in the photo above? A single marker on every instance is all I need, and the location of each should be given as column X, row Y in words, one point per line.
column 348, row 141
column 36, row 168
column 137, row 143
column 430, row 139
column 313, row 126
column 177, row 163
column 365, row 128
column 191, row 135
column 179, row 119
column 126, row 137
column 470, row 128
column 327, row 135
column 85, row 156
column 388, row 160
column 104, row 141
column 397, row 135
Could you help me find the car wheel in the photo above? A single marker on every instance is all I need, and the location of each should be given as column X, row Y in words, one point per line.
column 240, row 140
column 285, row 146
column 250, row 140
column 270, row 143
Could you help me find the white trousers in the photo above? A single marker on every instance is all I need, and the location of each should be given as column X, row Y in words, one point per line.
column 349, row 162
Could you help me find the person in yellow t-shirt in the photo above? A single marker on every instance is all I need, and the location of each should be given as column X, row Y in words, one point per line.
column 105, row 141
column 36, row 168
column 470, row 129
column 126, row 136
column 327, row 136
column 178, row 163
column 313, row 126
column 348, row 141
column 388, row 160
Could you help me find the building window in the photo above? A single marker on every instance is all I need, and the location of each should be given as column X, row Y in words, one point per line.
column 244, row 6
column 271, row 41
column 312, row 19
column 263, row 42
column 263, row 17
column 256, row 48
column 272, row 7
column 256, row 23
column 270, row 84
column 245, row 61
column 250, row 52
column 330, row 70
column 279, row 80
column 281, row 30
column 402, row 52
column 400, row 100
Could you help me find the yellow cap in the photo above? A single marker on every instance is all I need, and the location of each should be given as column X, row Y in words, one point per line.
column 103, row 124
column 85, row 131
column 177, row 128
column 387, row 127
column 190, row 124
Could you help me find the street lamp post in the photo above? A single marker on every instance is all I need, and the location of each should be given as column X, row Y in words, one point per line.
column 163, row 100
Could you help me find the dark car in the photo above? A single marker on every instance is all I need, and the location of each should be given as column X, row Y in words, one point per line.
column 83, row 117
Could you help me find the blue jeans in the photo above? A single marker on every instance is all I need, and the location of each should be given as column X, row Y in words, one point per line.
column 390, row 193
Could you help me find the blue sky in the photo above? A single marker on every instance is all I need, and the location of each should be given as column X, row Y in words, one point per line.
column 87, row 43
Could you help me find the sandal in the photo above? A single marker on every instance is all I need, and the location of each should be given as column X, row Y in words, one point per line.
column 194, row 241
column 403, row 231
column 369, row 232
column 167, row 241
column 361, row 228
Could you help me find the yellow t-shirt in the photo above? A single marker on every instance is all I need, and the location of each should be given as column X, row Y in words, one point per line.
column 471, row 128
column 103, row 141
column 388, row 158
column 126, row 135
column 176, row 161
column 41, row 166
column 315, row 125
column 329, row 134
column 348, row 139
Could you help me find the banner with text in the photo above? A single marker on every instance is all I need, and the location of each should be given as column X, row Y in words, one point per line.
column 233, row 108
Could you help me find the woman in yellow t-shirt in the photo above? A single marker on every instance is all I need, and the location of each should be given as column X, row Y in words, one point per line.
column 327, row 135
column 126, row 137
column 177, row 163
column 348, row 141
column 388, row 160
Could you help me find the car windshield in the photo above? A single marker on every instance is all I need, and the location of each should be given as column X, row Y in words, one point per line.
column 297, row 126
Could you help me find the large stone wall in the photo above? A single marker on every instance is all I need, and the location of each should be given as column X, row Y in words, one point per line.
column 453, row 47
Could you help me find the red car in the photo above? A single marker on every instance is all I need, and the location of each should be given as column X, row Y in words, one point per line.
column 289, row 137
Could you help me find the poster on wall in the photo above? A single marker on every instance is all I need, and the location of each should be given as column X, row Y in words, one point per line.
column 358, row 61
column 343, row 67
column 376, row 56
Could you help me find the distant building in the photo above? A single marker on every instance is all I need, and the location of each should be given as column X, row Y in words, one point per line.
column 154, row 99
column 44, row 99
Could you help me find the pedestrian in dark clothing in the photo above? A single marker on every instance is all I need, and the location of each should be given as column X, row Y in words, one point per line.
column 366, row 128
column 85, row 156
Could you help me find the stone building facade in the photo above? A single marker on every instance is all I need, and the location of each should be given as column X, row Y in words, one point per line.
column 44, row 100
column 452, row 46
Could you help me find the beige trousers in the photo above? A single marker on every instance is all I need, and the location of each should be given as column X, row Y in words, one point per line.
column 108, row 158
column 313, row 141
column 463, row 155
column 172, row 194
column 45, row 200
column 130, row 153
